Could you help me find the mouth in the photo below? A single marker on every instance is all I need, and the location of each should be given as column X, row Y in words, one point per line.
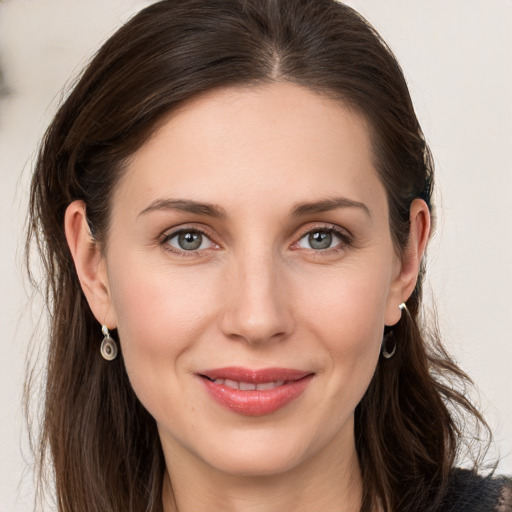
column 255, row 392
column 248, row 386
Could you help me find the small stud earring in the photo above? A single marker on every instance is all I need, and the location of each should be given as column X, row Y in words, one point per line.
column 108, row 347
column 402, row 306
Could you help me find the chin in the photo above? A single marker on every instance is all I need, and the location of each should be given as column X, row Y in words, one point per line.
column 258, row 462
column 266, row 452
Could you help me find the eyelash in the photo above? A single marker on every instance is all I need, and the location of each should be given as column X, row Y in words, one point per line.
column 345, row 239
column 164, row 242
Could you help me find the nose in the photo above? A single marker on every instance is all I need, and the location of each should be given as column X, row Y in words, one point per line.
column 257, row 303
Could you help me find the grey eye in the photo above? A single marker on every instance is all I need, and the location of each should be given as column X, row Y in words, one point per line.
column 190, row 241
column 320, row 240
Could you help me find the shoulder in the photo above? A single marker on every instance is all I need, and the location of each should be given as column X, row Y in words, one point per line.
column 470, row 492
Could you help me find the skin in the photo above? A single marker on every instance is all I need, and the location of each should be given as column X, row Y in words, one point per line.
column 256, row 294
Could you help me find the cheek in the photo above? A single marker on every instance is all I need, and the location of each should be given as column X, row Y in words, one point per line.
column 350, row 308
column 154, row 299
column 348, row 319
column 160, row 314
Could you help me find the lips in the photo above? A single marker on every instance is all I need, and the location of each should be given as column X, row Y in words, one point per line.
column 255, row 392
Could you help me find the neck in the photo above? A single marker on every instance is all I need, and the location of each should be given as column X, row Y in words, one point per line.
column 326, row 483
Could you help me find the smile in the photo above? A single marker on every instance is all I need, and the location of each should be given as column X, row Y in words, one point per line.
column 249, row 386
column 255, row 392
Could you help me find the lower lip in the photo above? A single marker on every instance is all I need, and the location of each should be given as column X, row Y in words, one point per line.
column 255, row 402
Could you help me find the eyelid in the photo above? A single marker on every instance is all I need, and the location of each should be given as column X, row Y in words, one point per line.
column 170, row 233
column 345, row 236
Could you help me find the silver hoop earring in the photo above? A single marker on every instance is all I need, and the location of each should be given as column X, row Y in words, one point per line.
column 108, row 347
column 385, row 353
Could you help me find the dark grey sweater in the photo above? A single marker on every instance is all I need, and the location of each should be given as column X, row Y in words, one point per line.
column 470, row 492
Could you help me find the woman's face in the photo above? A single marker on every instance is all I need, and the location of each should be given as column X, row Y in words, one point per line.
column 250, row 248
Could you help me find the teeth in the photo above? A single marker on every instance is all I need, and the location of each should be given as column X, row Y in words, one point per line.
column 270, row 385
column 249, row 386
column 231, row 384
column 266, row 385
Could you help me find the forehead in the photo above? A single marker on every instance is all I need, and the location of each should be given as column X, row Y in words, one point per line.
column 279, row 140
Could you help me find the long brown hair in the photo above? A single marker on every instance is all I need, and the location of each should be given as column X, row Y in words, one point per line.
column 97, row 440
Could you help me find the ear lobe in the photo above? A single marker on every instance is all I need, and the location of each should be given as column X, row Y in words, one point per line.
column 89, row 263
column 412, row 255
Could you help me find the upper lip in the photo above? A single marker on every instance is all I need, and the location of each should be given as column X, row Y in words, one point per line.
column 240, row 374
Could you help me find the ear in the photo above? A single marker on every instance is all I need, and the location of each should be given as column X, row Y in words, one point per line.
column 410, row 262
column 89, row 263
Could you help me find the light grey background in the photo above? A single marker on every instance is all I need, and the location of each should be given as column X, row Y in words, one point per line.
column 457, row 56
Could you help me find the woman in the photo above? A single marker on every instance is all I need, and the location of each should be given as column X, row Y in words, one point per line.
column 233, row 206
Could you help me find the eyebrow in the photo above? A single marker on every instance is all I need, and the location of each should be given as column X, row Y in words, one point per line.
column 326, row 205
column 212, row 210
column 187, row 206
